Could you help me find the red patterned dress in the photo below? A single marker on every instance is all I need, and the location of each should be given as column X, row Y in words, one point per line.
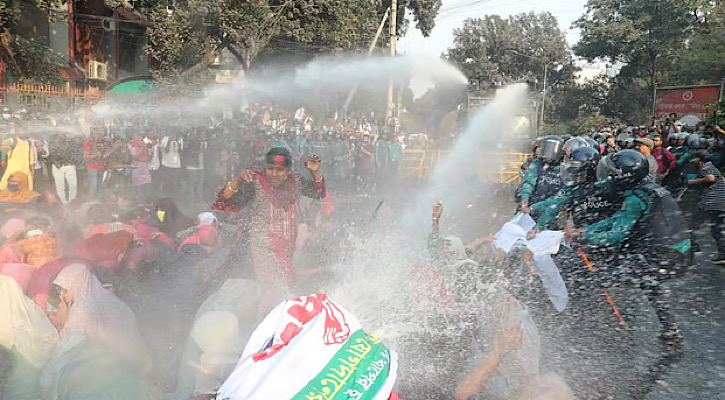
column 272, row 214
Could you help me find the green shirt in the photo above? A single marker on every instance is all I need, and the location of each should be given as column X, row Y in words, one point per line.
column 528, row 183
column 550, row 208
column 395, row 151
column 617, row 228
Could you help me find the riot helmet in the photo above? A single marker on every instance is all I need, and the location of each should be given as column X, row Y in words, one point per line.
column 574, row 143
column 580, row 166
column 7, row 113
column 696, row 142
column 592, row 143
column 550, row 149
column 625, row 169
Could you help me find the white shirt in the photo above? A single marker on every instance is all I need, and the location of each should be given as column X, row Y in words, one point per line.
column 300, row 114
column 44, row 146
column 155, row 161
column 172, row 158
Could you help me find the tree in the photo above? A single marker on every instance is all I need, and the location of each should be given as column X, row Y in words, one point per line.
column 648, row 37
column 19, row 50
column 187, row 39
column 493, row 50
column 186, row 36
column 703, row 58
column 573, row 101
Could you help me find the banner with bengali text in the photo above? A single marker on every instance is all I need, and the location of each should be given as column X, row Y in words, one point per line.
column 686, row 101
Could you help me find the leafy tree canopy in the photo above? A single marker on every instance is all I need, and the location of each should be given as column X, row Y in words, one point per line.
column 493, row 50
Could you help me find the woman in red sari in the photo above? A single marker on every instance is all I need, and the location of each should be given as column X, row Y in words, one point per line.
column 271, row 199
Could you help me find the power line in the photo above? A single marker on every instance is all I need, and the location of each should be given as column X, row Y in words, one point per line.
column 464, row 7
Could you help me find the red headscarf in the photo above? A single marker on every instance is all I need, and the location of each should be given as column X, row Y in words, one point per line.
column 105, row 249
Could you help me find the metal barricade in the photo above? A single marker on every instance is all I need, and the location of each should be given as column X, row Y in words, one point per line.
column 48, row 97
column 503, row 168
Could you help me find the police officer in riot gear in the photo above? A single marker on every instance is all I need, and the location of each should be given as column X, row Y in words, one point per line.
column 585, row 201
column 542, row 178
column 574, row 143
column 593, row 144
column 626, row 233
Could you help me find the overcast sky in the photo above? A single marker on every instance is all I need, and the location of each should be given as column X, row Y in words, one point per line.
column 454, row 12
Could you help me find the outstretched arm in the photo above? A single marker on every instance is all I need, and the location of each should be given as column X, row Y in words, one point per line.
column 315, row 188
column 236, row 193
column 509, row 339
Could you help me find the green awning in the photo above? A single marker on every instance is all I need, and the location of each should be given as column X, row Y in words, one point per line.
column 142, row 87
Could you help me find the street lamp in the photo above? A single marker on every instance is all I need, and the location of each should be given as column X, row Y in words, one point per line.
column 543, row 91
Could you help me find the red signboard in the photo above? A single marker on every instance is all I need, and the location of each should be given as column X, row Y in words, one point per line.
column 686, row 101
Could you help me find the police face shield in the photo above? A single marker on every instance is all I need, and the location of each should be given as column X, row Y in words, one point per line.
column 603, row 169
column 574, row 172
column 549, row 150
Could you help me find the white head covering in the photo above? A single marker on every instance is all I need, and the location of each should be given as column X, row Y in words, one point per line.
column 206, row 218
column 220, row 335
column 550, row 386
column 23, row 325
column 97, row 313
column 457, row 247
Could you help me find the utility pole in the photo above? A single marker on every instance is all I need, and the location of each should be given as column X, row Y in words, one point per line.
column 543, row 95
column 393, row 50
column 370, row 51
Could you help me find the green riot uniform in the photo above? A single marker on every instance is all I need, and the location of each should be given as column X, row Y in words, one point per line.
column 528, row 183
column 541, row 181
column 587, row 204
column 618, row 227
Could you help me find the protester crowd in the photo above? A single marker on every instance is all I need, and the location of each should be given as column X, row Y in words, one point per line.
column 109, row 289
column 185, row 159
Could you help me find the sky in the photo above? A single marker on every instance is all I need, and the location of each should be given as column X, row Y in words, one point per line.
column 454, row 12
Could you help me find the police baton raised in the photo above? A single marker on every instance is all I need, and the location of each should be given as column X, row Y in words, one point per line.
column 590, row 267
column 607, row 296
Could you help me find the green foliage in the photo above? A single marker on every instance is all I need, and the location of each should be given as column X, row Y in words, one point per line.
column 25, row 56
column 185, row 41
column 651, row 39
column 185, row 36
column 588, row 122
column 428, row 111
column 573, row 101
column 716, row 117
column 703, row 59
column 493, row 50
column 424, row 13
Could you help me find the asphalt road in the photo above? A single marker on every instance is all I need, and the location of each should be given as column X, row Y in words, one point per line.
column 602, row 359
column 698, row 302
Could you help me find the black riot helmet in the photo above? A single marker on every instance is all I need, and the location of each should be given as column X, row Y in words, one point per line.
column 580, row 166
column 696, row 142
column 625, row 169
column 550, row 149
column 574, row 143
column 592, row 143
column 535, row 145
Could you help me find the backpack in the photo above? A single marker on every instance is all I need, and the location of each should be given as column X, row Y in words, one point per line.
column 665, row 222
column 665, row 160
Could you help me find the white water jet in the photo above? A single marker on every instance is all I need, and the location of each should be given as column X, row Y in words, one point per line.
column 337, row 74
column 456, row 176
